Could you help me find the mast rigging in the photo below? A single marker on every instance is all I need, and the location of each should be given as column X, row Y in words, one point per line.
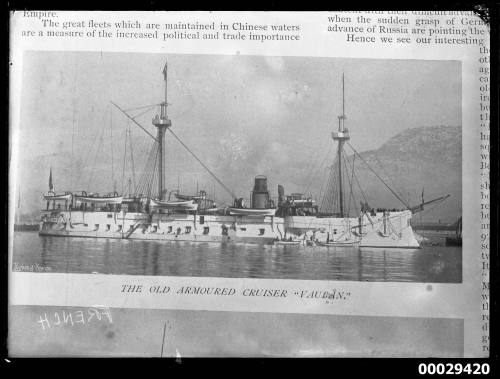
column 133, row 119
column 162, row 123
column 341, row 136
column 378, row 176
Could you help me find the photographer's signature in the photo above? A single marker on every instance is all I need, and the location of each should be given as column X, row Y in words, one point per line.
column 31, row 268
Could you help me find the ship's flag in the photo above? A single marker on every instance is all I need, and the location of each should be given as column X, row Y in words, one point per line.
column 51, row 186
column 422, row 195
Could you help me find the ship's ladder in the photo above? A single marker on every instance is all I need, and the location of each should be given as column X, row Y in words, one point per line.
column 132, row 229
column 391, row 230
column 279, row 231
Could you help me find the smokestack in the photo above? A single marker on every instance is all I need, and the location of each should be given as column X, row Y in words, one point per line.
column 281, row 194
column 260, row 194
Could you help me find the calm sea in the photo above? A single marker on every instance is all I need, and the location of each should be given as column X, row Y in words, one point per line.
column 438, row 264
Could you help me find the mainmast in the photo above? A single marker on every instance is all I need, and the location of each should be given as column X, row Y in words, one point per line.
column 162, row 122
column 342, row 135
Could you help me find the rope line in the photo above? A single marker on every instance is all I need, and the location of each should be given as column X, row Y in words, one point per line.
column 388, row 177
column 365, row 198
column 204, row 166
column 378, row 176
column 135, row 122
column 142, row 107
column 351, row 195
column 112, row 153
column 144, row 112
column 132, row 157
column 124, row 159
column 318, row 168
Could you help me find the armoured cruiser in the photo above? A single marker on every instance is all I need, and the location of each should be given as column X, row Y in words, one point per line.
column 150, row 214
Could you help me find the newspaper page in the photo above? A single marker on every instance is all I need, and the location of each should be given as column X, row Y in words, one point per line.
column 252, row 184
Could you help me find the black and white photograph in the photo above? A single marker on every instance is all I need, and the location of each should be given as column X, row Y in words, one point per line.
column 240, row 166
column 249, row 184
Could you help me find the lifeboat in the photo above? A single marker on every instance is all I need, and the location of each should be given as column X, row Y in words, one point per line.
column 100, row 199
column 186, row 205
column 252, row 211
column 52, row 196
column 288, row 242
column 201, row 196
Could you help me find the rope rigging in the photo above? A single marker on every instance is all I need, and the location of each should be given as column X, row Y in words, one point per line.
column 357, row 182
column 135, row 122
column 351, row 195
column 112, row 154
column 154, row 181
column 316, row 171
column 144, row 112
column 132, row 157
column 329, row 203
column 389, row 178
column 142, row 107
column 378, row 176
column 146, row 179
column 204, row 166
column 124, row 159
column 151, row 179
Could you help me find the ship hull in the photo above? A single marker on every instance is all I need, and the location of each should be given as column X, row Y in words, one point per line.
column 390, row 230
column 382, row 230
column 161, row 227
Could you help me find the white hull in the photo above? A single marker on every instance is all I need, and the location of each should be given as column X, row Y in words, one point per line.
column 392, row 230
column 159, row 226
column 234, row 228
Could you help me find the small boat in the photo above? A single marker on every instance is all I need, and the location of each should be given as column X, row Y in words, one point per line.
column 188, row 205
column 100, row 199
column 287, row 242
column 252, row 212
column 52, row 196
column 201, row 196
column 338, row 243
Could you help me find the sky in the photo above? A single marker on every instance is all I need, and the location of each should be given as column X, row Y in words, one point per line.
column 242, row 115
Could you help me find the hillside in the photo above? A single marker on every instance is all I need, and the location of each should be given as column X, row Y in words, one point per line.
column 428, row 159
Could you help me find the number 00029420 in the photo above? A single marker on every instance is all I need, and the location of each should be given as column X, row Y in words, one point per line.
column 453, row 368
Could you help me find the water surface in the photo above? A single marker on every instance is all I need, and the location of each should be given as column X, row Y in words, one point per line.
column 438, row 264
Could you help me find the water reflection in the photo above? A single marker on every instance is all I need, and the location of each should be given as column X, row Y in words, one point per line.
column 108, row 256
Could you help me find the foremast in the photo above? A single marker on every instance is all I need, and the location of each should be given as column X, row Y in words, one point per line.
column 162, row 123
